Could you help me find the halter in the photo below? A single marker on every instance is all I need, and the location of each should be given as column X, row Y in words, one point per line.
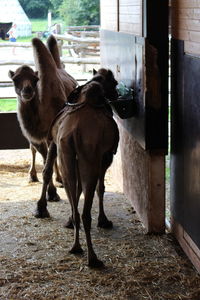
column 79, row 105
column 94, row 79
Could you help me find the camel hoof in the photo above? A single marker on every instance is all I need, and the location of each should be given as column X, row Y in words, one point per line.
column 96, row 263
column 76, row 250
column 53, row 198
column 59, row 180
column 106, row 224
column 33, row 179
column 59, row 185
column 69, row 224
column 42, row 214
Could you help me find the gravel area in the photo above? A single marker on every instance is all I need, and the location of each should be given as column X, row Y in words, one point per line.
column 34, row 258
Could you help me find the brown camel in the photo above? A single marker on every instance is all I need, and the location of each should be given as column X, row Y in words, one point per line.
column 52, row 46
column 85, row 138
column 41, row 95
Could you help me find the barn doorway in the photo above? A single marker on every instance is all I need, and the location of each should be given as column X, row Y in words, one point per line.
column 143, row 161
column 130, row 32
column 185, row 154
column 140, row 58
column 168, row 156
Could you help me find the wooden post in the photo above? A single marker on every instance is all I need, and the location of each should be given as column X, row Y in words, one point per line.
column 49, row 19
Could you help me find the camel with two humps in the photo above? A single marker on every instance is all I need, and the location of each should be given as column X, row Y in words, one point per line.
column 41, row 95
column 69, row 84
column 85, row 137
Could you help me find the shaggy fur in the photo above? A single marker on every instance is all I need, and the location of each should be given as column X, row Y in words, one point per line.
column 41, row 93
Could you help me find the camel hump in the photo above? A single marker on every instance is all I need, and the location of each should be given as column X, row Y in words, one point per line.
column 52, row 45
column 44, row 61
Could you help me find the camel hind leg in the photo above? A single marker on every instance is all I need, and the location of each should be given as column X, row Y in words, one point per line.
column 89, row 176
column 68, row 165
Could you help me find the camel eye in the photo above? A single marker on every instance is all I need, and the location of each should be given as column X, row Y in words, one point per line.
column 35, row 81
column 16, row 82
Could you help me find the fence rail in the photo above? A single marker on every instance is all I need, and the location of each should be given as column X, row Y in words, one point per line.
column 82, row 49
column 82, row 43
column 68, row 60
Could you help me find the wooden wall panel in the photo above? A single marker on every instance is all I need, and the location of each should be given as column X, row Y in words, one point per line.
column 10, row 132
column 143, row 171
column 187, row 244
column 130, row 16
column 109, row 14
column 122, row 15
column 186, row 24
column 143, row 174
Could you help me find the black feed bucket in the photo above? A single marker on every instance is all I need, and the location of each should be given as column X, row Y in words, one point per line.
column 125, row 105
column 124, row 108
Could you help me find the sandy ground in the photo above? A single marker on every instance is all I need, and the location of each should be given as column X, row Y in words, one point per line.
column 34, row 258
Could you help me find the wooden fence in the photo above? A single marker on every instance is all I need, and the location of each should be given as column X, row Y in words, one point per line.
column 82, row 43
column 83, row 49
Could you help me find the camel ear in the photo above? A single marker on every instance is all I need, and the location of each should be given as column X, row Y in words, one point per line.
column 94, row 72
column 11, row 74
column 110, row 73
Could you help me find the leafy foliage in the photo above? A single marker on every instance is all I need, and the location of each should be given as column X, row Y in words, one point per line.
column 55, row 6
column 80, row 12
column 36, row 8
column 74, row 12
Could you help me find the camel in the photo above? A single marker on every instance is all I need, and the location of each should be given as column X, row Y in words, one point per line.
column 85, row 137
column 41, row 95
column 52, row 46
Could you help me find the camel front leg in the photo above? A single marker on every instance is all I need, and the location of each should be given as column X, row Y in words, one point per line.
column 41, row 211
column 93, row 261
column 43, row 150
column 76, row 248
column 57, row 173
column 32, row 171
column 103, row 221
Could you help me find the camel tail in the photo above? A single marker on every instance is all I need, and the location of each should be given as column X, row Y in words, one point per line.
column 44, row 61
column 52, row 45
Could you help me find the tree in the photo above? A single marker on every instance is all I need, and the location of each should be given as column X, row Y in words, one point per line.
column 55, row 6
column 80, row 12
column 36, row 8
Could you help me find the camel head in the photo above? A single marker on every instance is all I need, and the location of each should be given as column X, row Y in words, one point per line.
column 25, row 83
column 106, row 78
column 102, row 85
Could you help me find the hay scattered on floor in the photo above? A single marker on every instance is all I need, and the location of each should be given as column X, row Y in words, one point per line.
column 35, row 263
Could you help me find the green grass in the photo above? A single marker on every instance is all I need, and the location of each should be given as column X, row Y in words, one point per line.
column 42, row 24
column 39, row 24
column 8, row 104
column 26, row 38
